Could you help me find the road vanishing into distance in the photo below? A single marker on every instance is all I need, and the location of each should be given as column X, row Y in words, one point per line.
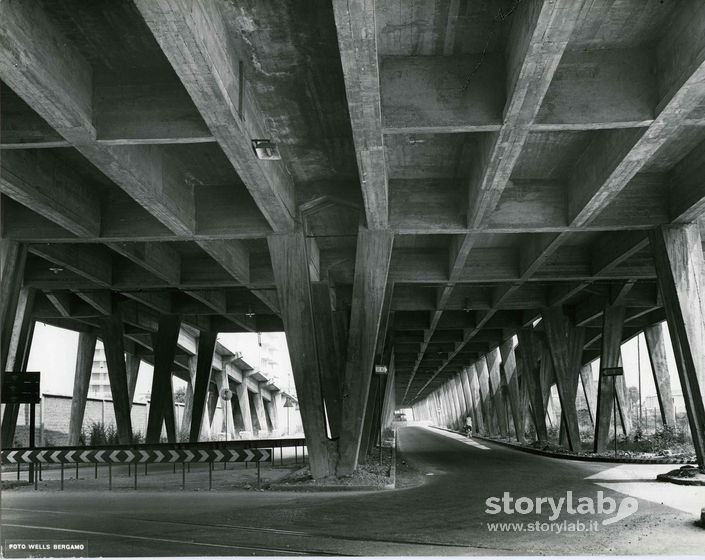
column 446, row 484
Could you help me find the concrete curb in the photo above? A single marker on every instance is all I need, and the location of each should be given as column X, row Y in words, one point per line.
column 569, row 457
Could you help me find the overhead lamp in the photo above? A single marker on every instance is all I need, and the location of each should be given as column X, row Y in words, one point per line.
column 265, row 149
column 250, row 314
column 56, row 269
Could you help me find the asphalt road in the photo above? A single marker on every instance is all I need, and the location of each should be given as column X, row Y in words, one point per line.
column 441, row 510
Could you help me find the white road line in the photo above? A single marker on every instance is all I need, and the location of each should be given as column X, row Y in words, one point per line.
column 457, row 437
column 154, row 539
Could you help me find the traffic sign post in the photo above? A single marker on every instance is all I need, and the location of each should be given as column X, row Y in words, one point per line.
column 22, row 387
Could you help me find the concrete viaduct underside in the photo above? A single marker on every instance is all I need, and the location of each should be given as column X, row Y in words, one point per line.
column 409, row 184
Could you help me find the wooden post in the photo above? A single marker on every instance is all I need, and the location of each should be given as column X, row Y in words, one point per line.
column 656, row 345
column 612, row 325
column 373, row 256
column 291, row 274
column 164, row 342
column 680, row 267
column 81, row 382
column 565, row 342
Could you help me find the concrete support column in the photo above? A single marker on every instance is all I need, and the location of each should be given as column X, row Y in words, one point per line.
column 483, row 378
column 260, row 414
column 373, row 256
column 511, row 379
column 81, row 382
column 291, row 274
column 187, row 416
column 274, row 411
column 469, row 397
column 477, row 399
column 19, row 342
column 612, row 325
column 331, row 374
column 13, row 260
column 201, row 380
column 371, row 415
column 389, row 404
column 589, row 390
column 227, row 420
column 498, row 401
column 455, row 401
column 566, row 342
column 680, row 267
column 114, row 345
column 132, row 368
column 161, row 409
column 243, row 399
column 656, row 345
column 528, row 353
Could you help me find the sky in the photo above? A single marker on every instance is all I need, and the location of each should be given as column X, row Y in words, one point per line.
column 53, row 353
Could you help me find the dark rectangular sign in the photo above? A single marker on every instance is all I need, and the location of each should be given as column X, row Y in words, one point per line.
column 20, row 387
column 612, row 371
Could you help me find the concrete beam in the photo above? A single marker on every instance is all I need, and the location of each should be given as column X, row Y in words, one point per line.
column 355, row 24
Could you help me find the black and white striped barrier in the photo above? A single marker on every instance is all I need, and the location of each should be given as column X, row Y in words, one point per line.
column 138, row 455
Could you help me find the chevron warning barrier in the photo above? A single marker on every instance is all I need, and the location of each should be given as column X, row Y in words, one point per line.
column 136, row 455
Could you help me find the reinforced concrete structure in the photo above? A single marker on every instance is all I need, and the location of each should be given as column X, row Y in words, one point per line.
column 409, row 184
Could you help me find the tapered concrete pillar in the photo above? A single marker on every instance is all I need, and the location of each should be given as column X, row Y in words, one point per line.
column 260, row 414
column 458, row 419
column 373, row 256
column 201, row 380
column 680, row 268
column 161, row 409
column 19, row 342
column 371, row 413
column 270, row 413
column 291, row 275
column 389, row 404
column 483, row 378
column 243, row 399
column 497, row 400
column 187, row 414
column 511, row 379
column 81, row 382
column 566, row 342
column 331, row 374
column 610, row 357
column 467, row 390
column 113, row 343
column 656, row 345
column 474, row 377
column 273, row 408
column 529, row 351
column 464, row 406
column 589, row 390
column 132, row 368
column 13, row 260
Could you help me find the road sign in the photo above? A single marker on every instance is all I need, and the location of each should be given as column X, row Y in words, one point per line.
column 226, row 394
column 612, row 371
column 381, row 370
column 20, row 387
column 135, row 455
